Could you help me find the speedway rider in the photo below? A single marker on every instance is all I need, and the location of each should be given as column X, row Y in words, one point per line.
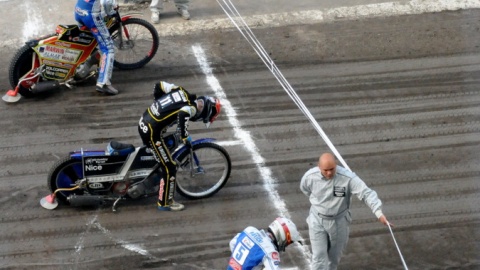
column 91, row 13
column 259, row 249
column 172, row 105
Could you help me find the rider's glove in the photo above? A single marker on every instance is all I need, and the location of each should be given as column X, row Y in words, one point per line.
column 188, row 142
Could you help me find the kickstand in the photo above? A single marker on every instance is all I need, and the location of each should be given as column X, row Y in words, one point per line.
column 115, row 204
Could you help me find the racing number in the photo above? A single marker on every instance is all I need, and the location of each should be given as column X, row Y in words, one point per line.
column 240, row 253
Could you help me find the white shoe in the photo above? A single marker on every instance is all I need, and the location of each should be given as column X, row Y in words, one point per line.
column 184, row 13
column 174, row 206
column 156, row 17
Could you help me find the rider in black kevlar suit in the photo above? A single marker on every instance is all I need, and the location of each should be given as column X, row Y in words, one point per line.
column 172, row 105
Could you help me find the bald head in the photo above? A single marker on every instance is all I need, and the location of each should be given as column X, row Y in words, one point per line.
column 327, row 165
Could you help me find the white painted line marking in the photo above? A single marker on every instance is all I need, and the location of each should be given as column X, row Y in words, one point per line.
column 93, row 222
column 229, row 143
column 124, row 244
column 269, row 182
column 241, row 134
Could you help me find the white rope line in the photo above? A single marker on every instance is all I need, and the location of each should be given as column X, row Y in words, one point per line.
column 396, row 245
column 237, row 20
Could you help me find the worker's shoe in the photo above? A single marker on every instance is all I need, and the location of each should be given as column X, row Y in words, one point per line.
column 184, row 13
column 156, row 17
column 174, row 206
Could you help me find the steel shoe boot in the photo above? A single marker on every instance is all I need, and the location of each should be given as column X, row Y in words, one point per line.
column 174, row 206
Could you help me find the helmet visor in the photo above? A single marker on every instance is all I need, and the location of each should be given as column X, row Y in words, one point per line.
column 216, row 110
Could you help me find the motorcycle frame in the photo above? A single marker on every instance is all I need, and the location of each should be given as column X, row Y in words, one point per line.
column 126, row 171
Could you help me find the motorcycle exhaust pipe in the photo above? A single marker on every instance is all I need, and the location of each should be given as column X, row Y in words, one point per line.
column 85, row 200
column 45, row 86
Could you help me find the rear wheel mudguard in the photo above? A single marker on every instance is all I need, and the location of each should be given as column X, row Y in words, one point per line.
column 130, row 15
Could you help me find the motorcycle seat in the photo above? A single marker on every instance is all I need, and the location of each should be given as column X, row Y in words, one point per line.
column 75, row 33
column 118, row 149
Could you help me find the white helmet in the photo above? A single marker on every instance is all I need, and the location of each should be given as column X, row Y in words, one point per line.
column 285, row 232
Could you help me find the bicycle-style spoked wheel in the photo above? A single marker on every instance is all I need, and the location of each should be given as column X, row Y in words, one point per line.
column 211, row 170
column 138, row 44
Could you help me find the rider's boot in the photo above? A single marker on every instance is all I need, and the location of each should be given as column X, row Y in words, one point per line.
column 107, row 89
column 174, row 206
column 165, row 196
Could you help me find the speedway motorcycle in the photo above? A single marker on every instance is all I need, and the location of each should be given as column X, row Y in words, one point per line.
column 70, row 55
column 125, row 172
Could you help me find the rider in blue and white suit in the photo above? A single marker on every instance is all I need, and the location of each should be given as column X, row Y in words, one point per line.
column 254, row 249
column 91, row 13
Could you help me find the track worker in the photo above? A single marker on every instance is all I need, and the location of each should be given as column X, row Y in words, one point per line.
column 329, row 188
column 172, row 105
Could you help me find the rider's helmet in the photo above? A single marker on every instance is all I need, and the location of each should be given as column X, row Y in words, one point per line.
column 210, row 111
column 284, row 231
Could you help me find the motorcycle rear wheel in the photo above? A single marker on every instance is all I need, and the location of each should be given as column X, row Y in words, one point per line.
column 139, row 43
column 215, row 165
column 64, row 174
column 21, row 64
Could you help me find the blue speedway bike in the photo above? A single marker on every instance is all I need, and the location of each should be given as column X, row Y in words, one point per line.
column 123, row 172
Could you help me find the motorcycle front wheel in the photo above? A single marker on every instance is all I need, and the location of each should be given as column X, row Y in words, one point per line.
column 211, row 169
column 64, row 174
column 137, row 44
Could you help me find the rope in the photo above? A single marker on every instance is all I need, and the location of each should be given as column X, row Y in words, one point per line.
column 396, row 245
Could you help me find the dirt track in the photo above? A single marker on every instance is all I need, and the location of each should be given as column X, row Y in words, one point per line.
column 406, row 121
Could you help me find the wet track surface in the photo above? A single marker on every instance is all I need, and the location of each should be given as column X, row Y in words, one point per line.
column 402, row 109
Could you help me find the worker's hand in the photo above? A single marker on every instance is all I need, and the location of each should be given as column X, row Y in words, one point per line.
column 384, row 221
column 188, row 142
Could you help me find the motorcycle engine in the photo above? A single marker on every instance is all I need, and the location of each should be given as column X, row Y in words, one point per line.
column 119, row 188
column 145, row 187
column 84, row 69
column 136, row 190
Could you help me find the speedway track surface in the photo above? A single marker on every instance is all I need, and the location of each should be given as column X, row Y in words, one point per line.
column 405, row 120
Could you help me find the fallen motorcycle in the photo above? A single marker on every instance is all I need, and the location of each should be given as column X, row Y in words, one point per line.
column 124, row 172
column 71, row 56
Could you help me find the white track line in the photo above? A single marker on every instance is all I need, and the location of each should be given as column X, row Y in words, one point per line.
column 93, row 223
column 269, row 182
